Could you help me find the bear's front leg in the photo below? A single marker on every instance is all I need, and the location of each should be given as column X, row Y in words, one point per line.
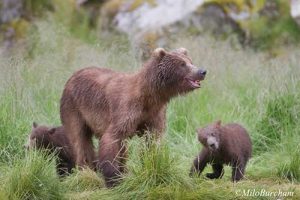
column 109, row 158
column 200, row 162
column 157, row 124
column 123, row 157
column 112, row 149
column 218, row 171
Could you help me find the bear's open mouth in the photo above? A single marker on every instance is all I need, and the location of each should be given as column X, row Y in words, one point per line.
column 194, row 83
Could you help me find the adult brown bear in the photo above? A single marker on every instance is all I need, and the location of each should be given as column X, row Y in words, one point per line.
column 114, row 106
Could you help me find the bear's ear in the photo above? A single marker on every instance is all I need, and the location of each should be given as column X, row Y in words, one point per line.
column 182, row 51
column 34, row 125
column 51, row 131
column 218, row 123
column 159, row 53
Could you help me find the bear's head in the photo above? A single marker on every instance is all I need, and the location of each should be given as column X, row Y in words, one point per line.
column 40, row 137
column 210, row 136
column 174, row 72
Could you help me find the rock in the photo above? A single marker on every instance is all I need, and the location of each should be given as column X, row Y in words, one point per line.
column 10, row 10
column 153, row 24
column 212, row 18
column 147, row 17
column 108, row 12
column 92, row 8
column 295, row 10
column 169, row 13
column 270, row 10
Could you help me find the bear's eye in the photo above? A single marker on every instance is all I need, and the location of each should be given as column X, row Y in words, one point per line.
column 183, row 65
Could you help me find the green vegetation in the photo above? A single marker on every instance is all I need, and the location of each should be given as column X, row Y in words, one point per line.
column 279, row 118
column 291, row 170
column 241, row 86
column 269, row 25
column 150, row 166
column 33, row 177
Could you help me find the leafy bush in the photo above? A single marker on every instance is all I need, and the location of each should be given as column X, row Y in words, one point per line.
column 272, row 32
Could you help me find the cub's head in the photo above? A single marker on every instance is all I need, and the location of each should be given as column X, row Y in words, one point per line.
column 210, row 136
column 40, row 136
column 174, row 71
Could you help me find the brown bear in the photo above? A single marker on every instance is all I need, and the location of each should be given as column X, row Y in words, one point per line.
column 54, row 140
column 114, row 106
column 229, row 144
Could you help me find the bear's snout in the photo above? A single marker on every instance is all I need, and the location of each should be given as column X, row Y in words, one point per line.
column 202, row 72
column 212, row 143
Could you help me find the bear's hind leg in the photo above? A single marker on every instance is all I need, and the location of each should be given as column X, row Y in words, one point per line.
column 218, row 171
column 87, row 140
column 80, row 137
column 238, row 172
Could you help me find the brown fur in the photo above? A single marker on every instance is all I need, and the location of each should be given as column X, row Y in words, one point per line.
column 54, row 140
column 232, row 146
column 114, row 106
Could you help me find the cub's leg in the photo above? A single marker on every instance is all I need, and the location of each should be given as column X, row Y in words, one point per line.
column 200, row 162
column 238, row 171
column 217, row 171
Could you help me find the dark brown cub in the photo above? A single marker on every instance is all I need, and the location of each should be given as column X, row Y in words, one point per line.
column 229, row 144
column 53, row 140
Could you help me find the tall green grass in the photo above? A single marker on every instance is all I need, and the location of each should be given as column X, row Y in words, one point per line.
column 279, row 120
column 241, row 86
column 291, row 169
column 33, row 177
column 150, row 166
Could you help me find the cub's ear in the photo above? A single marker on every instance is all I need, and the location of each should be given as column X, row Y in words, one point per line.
column 218, row 123
column 51, row 131
column 182, row 50
column 34, row 125
column 159, row 53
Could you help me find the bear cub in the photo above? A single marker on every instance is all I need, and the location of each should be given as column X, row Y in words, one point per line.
column 53, row 140
column 229, row 144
